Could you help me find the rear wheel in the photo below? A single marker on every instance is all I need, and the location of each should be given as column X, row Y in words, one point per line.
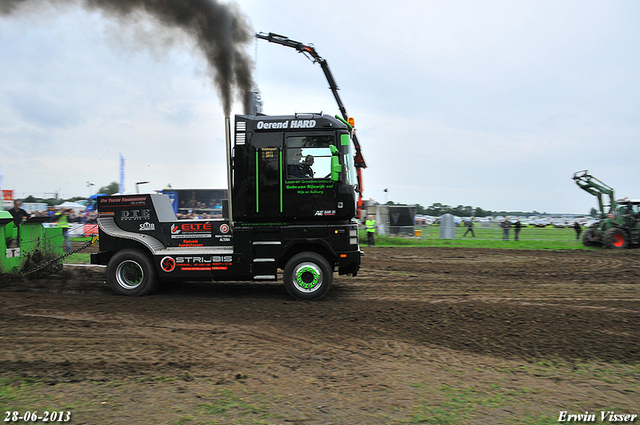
column 308, row 276
column 131, row 272
column 616, row 238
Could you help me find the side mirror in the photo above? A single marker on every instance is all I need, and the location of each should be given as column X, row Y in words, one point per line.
column 336, row 167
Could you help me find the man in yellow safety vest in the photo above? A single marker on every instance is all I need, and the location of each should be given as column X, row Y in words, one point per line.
column 371, row 230
column 63, row 221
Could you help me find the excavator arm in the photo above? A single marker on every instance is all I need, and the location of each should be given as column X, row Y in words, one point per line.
column 310, row 52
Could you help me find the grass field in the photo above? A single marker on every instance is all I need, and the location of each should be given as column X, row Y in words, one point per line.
column 486, row 237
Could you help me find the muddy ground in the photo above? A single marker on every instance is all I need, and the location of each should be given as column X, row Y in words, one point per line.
column 421, row 335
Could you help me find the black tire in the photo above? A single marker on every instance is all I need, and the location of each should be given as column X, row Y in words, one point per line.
column 616, row 238
column 131, row 272
column 308, row 276
column 591, row 238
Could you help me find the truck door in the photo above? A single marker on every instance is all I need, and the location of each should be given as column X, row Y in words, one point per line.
column 268, row 182
column 309, row 191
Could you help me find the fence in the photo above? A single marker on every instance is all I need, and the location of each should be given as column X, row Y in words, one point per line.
column 77, row 230
column 493, row 231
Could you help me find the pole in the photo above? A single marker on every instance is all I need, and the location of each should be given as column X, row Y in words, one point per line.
column 227, row 133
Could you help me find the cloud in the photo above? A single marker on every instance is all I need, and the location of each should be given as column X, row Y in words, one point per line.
column 44, row 114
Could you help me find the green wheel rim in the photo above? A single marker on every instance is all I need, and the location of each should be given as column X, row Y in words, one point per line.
column 308, row 277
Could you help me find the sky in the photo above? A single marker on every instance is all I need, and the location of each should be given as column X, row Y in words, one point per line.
column 492, row 104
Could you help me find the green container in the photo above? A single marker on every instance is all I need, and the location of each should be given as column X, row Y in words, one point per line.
column 37, row 244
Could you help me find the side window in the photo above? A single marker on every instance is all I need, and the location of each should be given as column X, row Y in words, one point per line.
column 308, row 157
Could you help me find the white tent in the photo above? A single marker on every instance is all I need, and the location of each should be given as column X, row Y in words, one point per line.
column 72, row 205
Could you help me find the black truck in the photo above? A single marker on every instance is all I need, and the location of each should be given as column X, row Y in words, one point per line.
column 292, row 207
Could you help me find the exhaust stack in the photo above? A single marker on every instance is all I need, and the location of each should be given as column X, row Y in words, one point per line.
column 227, row 133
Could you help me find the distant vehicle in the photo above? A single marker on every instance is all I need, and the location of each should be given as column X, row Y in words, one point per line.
column 420, row 220
column 541, row 222
column 91, row 202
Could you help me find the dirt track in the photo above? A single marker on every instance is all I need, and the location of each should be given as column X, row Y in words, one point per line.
column 515, row 335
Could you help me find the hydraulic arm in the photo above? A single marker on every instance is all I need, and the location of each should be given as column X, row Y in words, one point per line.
column 596, row 188
column 310, row 52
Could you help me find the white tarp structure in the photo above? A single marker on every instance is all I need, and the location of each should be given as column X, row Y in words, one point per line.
column 447, row 227
column 76, row 207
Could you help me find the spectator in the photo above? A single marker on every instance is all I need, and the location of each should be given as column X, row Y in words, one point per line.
column 371, row 230
column 470, row 228
column 63, row 221
column 578, row 229
column 505, row 229
column 516, row 229
column 18, row 216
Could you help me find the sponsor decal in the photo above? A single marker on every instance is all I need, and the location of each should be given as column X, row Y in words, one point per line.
column 190, row 243
column 147, row 226
column 276, row 125
column 191, row 230
column 128, row 215
column 306, row 188
column 323, row 213
column 140, row 200
column 224, row 228
column 168, row 264
column 196, row 263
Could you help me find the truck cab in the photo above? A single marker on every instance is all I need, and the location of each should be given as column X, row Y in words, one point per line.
column 293, row 188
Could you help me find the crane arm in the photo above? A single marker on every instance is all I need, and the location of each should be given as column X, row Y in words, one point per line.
column 310, row 52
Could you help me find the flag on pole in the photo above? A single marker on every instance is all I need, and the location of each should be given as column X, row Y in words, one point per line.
column 121, row 185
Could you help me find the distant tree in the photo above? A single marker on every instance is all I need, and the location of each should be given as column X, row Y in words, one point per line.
column 30, row 198
column 112, row 188
column 594, row 212
column 461, row 211
column 480, row 212
column 438, row 209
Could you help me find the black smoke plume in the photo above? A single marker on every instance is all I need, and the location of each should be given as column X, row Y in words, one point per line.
column 219, row 30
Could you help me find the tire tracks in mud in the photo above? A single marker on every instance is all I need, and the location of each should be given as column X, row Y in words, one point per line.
column 406, row 303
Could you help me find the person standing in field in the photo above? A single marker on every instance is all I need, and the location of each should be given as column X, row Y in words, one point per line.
column 371, row 230
column 516, row 229
column 63, row 221
column 469, row 228
column 505, row 229
column 578, row 229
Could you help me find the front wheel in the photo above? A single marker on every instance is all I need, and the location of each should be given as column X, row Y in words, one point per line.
column 616, row 238
column 308, row 276
column 131, row 272
column 591, row 238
